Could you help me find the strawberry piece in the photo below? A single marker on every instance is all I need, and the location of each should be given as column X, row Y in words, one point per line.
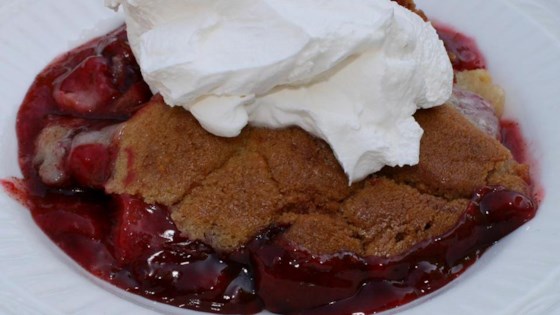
column 90, row 161
column 126, row 77
column 140, row 229
column 133, row 99
column 501, row 205
column 90, row 164
column 88, row 88
column 108, row 85
column 164, row 263
column 477, row 110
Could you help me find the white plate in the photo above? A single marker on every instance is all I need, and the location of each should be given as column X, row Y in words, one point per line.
column 521, row 275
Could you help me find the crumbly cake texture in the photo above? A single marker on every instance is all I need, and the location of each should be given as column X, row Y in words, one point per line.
column 164, row 153
column 224, row 191
column 456, row 158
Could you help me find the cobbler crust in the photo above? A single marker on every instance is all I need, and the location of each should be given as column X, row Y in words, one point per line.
column 225, row 191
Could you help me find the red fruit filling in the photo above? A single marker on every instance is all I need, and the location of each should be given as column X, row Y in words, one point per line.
column 90, row 164
column 140, row 229
column 137, row 247
column 86, row 89
column 462, row 50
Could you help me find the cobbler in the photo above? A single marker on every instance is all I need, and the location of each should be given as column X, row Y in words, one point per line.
column 140, row 195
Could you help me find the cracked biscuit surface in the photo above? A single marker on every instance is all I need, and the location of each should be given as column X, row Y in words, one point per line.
column 224, row 191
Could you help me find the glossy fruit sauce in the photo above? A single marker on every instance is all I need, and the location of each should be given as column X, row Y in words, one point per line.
column 463, row 51
column 137, row 247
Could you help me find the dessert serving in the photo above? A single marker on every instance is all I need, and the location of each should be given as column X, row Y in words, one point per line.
column 364, row 171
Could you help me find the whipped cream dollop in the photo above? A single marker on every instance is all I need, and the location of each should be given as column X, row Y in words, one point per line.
column 350, row 72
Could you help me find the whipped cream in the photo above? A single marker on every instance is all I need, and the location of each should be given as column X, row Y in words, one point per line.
column 350, row 72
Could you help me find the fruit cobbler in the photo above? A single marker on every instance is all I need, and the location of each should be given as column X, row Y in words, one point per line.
column 143, row 197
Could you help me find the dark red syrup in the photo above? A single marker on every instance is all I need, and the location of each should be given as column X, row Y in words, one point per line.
column 138, row 248
column 463, row 50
